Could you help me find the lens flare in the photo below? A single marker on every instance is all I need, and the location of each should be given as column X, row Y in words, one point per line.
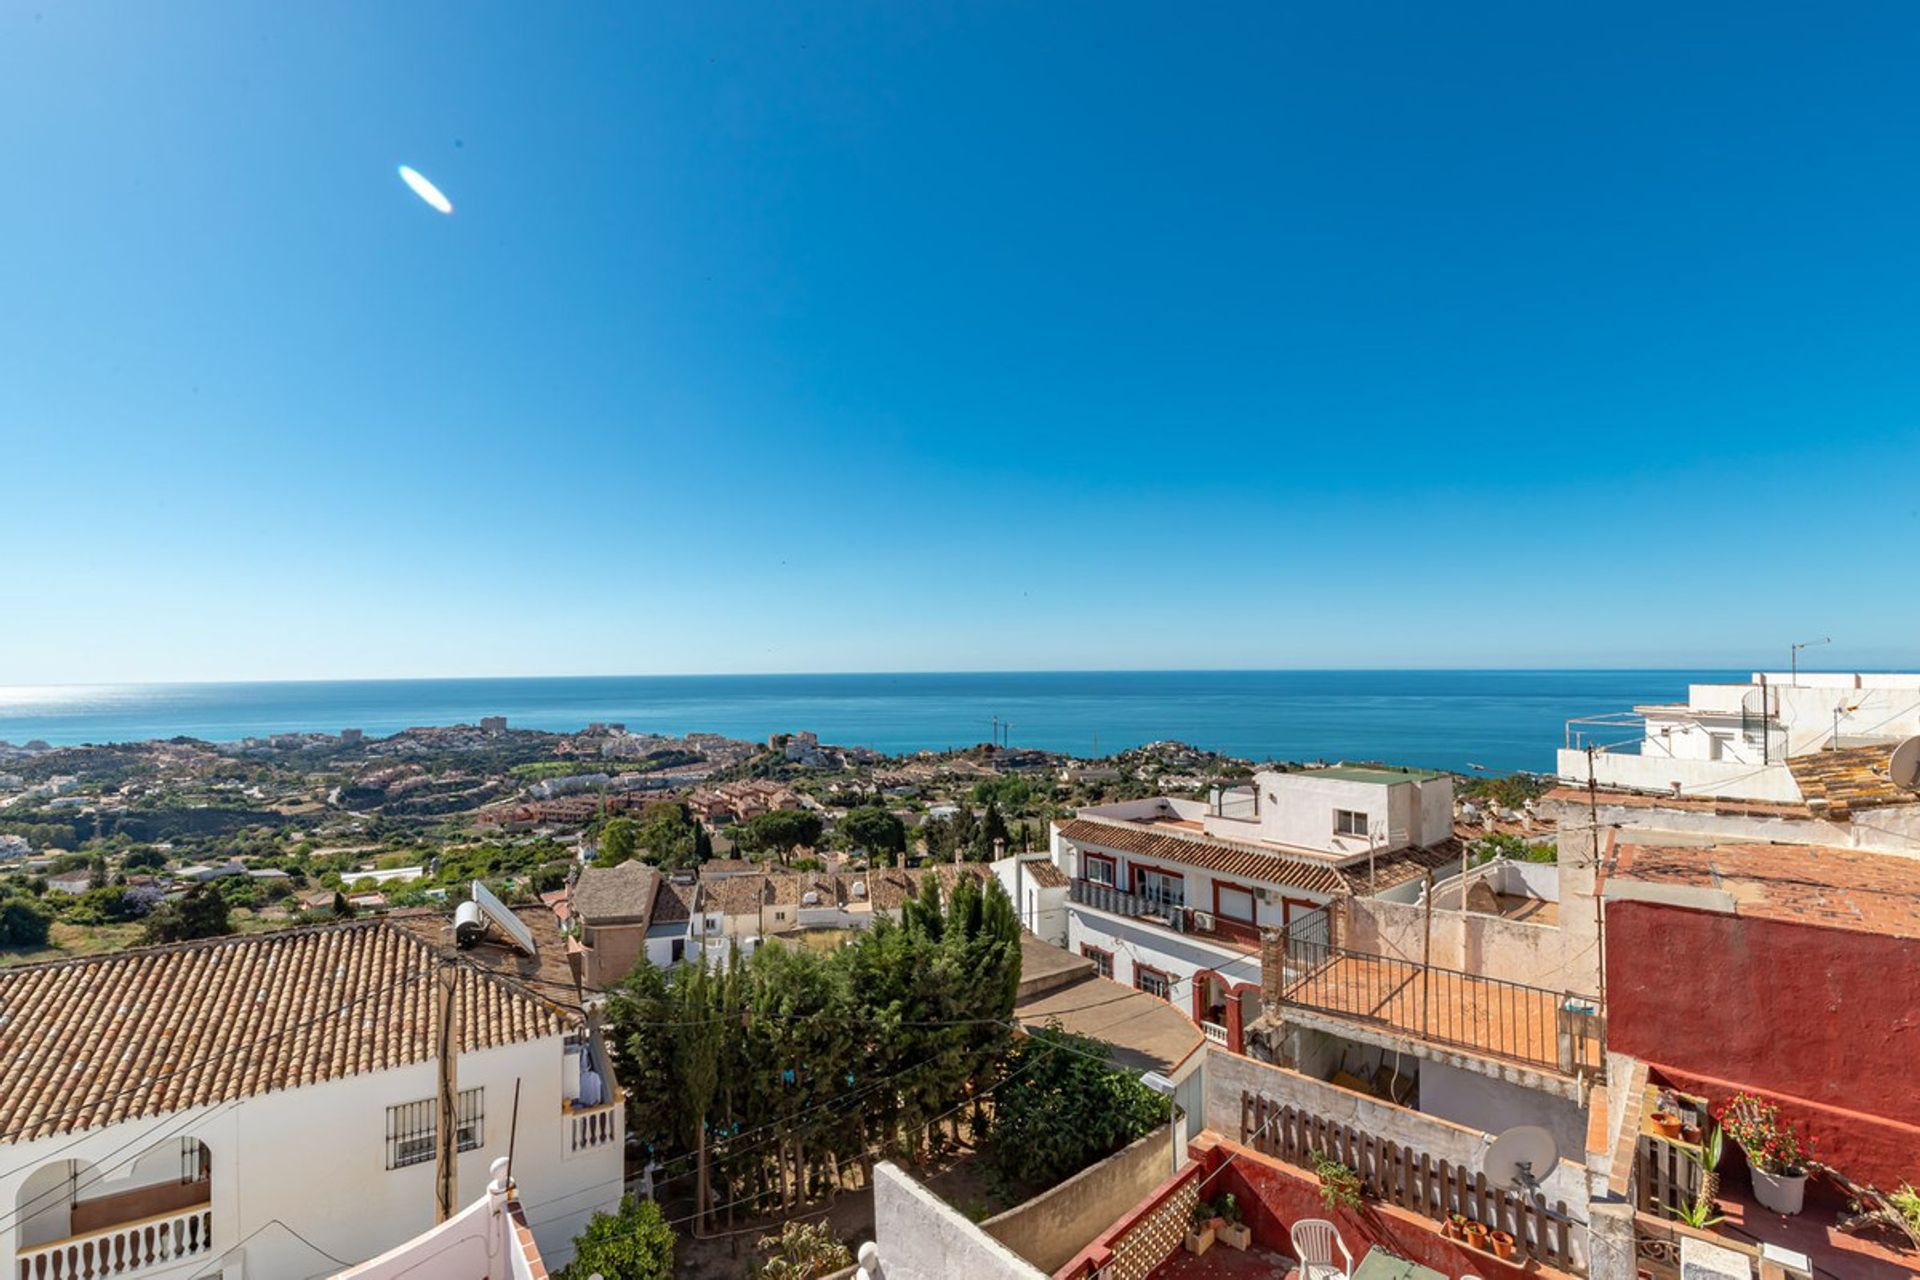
column 424, row 189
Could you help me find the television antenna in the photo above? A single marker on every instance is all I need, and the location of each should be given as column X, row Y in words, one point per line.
column 1520, row 1157
column 1805, row 644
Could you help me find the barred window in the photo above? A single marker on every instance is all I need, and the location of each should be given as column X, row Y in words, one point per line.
column 411, row 1126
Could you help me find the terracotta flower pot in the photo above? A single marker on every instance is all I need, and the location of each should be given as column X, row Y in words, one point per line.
column 1666, row 1124
column 1476, row 1235
column 1502, row 1244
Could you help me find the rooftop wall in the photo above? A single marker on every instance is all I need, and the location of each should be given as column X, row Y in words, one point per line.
column 1822, row 1018
column 1049, row 1229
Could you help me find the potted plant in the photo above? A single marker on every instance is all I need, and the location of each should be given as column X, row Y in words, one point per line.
column 1775, row 1156
column 1233, row 1233
column 1501, row 1244
column 1666, row 1124
column 1200, row 1228
column 1455, row 1227
column 1699, row 1212
column 1476, row 1234
column 1340, row 1186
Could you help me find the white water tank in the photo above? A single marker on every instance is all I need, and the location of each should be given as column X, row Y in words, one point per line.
column 469, row 926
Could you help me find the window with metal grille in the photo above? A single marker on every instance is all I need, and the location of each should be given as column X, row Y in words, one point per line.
column 411, row 1126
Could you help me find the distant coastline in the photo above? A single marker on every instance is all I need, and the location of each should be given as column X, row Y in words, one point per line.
column 1453, row 719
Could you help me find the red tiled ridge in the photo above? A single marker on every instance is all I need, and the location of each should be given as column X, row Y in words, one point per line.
column 96, row 1041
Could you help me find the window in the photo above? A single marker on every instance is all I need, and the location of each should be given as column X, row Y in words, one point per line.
column 1102, row 959
column 1346, row 822
column 1232, row 902
column 1160, row 889
column 1096, row 868
column 1153, row 981
column 411, row 1125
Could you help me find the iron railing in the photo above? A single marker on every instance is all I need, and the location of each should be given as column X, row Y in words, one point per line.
column 1104, row 897
column 1492, row 1017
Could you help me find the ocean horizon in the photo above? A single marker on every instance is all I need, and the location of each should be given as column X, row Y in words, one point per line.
column 1500, row 720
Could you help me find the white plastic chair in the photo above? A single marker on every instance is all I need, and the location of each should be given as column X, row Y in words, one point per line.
column 1314, row 1240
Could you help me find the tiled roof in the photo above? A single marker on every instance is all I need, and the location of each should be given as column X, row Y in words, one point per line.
column 91, row 1042
column 1807, row 884
column 1043, row 873
column 1400, row 866
column 789, row 889
column 622, row 893
column 1834, row 783
column 674, row 902
column 546, row 971
column 1214, row 855
column 734, row 895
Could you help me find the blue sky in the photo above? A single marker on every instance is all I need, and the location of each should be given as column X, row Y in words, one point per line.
column 900, row 337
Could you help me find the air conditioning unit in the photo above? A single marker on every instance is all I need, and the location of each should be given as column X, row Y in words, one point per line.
column 810, row 899
column 1203, row 921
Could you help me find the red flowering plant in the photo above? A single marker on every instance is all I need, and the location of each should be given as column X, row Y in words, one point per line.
column 1772, row 1145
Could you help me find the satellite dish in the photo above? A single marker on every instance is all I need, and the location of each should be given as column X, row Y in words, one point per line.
column 502, row 919
column 1520, row 1157
column 1903, row 766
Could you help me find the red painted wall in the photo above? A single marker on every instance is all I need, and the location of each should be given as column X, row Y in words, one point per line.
column 1825, row 1021
column 1829, row 1015
column 1273, row 1196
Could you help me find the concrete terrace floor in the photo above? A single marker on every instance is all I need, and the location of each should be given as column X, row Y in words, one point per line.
column 1493, row 1018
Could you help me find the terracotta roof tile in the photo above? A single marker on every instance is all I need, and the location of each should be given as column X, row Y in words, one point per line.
column 1807, row 884
column 1044, row 873
column 1214, row 855
column 1834, row 783
column 624, row 893
column 96, row 1041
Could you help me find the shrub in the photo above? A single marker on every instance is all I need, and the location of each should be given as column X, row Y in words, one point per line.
column 805, row 1251
column 632, row 1243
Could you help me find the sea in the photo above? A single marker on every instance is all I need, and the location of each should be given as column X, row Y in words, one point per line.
column 1498, row 721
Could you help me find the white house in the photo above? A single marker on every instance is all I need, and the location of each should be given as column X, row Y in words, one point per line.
column 1171, row 895
column 264, row 1105
column 1734, row 740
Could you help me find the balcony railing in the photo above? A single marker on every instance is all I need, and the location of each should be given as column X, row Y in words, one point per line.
column 1104, row 897
column 124, row 1249
column 1491, row 1017
column 591, row 1127
column 1214, row 1032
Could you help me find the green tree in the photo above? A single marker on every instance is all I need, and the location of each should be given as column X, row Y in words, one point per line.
column 632, row 1243
column 618, row 840
column 993, row 833
column 877, row 831
column 779, row 832
column 23, row 923
column 1060, row 1108
column 1501, row 844
column 202, row 913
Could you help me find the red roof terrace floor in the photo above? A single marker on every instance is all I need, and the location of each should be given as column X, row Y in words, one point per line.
column 1222, row 1263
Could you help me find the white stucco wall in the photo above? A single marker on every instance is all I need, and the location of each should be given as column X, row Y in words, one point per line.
column 922, row 1237
column 314, row 1158
column 1137, row 942
column 1722, row 778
